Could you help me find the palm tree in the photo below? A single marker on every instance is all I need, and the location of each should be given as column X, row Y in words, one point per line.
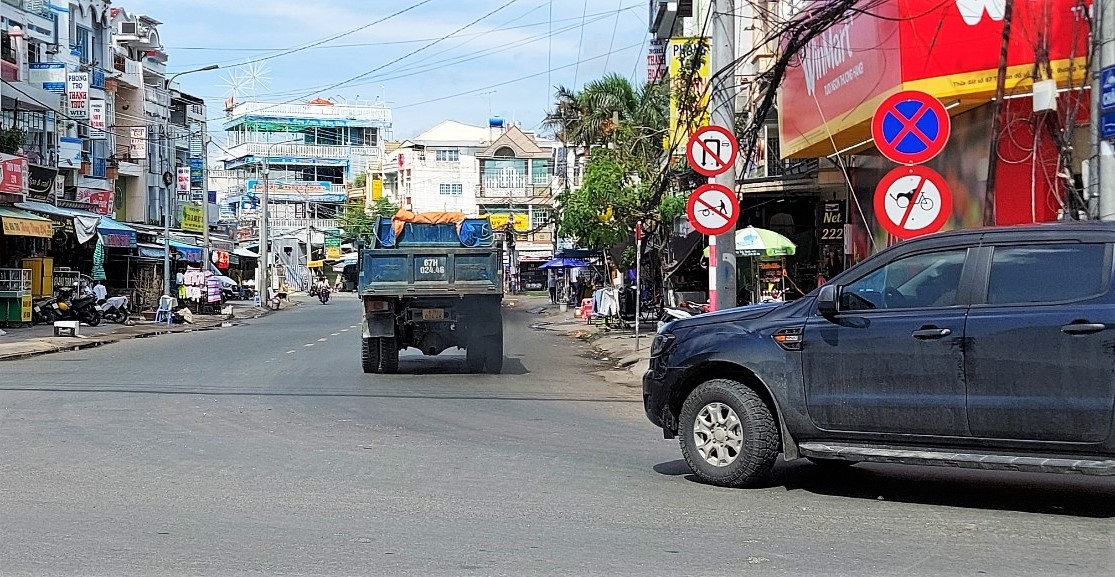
column 600, row 112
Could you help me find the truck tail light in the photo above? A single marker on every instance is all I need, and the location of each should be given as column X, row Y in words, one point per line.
column 377, row 306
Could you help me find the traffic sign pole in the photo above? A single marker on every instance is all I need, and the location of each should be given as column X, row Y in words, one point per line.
column 722, row 266
column 1101, row 165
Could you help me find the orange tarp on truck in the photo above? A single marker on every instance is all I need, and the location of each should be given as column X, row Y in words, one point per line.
column 404, row 216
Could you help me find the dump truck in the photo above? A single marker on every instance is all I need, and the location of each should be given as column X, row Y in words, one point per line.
column 433, row 282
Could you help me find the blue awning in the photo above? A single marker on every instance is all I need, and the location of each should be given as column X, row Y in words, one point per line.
column 115, row 234
column 189, row 252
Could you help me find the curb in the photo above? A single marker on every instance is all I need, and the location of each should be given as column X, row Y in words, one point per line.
column 115, row 338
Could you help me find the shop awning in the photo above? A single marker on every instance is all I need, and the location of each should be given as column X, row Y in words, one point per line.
column 245, row 253
column 16, row 222
column 115, row 234
column 149, row 250
column 189, row 252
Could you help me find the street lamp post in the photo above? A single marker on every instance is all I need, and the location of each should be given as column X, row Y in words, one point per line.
column 263, row 287
column 166, row 200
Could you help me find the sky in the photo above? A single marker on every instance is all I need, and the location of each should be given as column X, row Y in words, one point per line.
column 507, row 60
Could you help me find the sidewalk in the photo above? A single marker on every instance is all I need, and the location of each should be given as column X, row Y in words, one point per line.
column 18, row 343
column 612, row 346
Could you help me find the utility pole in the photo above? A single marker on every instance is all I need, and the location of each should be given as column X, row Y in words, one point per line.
column 263, row 287
column 722, row 247
column 170, row 188
column 1101, row 168
column 205, row 196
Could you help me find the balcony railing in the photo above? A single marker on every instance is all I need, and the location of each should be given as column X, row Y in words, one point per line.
column 9, row 71
column 296, row 223
column 303, row 150
column 131, row 71
column 365, row 112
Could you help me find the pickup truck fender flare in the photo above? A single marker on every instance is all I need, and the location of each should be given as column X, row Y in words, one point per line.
column 377, row 325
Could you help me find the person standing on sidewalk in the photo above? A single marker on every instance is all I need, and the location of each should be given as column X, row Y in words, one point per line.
column 551, row 283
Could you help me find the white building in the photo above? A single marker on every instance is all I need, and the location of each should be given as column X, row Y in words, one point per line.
column 438, row 170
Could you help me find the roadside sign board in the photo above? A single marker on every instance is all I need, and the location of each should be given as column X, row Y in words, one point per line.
column 1107, row 89
column 713, row 209
column 910, row 127
column 911, row 201
column 712, row 150
column 833, row 216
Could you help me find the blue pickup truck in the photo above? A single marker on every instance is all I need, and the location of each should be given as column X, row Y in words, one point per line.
column 432, row 287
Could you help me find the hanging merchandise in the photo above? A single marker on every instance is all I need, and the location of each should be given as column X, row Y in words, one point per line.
column 99, row 260
column 213, row 289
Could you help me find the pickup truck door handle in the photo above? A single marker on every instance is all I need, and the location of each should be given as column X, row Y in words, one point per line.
column 1082, row 328
column 927, row 333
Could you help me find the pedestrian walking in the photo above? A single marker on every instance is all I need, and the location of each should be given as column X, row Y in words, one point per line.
column 551, row 283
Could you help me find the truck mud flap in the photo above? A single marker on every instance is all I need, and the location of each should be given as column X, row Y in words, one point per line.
column 378, row 325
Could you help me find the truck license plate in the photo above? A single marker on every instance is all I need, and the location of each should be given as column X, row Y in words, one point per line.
column 433, row 314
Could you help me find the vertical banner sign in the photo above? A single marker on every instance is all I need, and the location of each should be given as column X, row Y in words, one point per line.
column 77, row 95
column 137, row 148
column 833, row 216
column 689, row 105
column 97, row 121
column 656, row 60
column 196, row 165
column 183, row 179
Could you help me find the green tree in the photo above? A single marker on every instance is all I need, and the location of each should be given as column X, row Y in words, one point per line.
column 359, row 222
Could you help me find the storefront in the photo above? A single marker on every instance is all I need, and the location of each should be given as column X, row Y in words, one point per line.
column 25, row 235
column 846, row 74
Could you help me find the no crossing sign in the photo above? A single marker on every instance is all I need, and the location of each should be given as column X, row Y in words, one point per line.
column 713, row 209
column 912, row 201
column 910, row 127
column 712, row 150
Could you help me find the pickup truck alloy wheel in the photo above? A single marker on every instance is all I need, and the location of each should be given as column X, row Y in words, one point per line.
column 718, row 434
column 728, row 435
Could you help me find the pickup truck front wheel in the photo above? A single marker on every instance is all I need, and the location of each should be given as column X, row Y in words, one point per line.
column 727, row 434
column 369, row 354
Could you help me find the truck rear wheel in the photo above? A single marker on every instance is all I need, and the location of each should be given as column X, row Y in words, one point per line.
column 369, row 354
column 389, row 355
column 493, row 353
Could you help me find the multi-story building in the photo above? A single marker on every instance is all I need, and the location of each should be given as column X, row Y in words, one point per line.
column 497, row 171
column 311, row 151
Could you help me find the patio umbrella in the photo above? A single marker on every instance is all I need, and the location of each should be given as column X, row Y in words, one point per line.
column 753, row 241
column 761, row 242
column 565, row 263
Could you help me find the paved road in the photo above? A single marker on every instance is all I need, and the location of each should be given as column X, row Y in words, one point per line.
column 262, row 449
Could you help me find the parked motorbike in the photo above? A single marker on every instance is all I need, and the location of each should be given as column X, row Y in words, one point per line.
column 79, row 306
column 44, row 311
column 684, row 310
column 115, row 310
column 323, row 294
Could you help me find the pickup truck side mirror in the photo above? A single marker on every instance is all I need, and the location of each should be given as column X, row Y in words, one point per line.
column 828, row 300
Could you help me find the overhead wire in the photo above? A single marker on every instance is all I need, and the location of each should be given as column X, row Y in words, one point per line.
column 448, row 62
column 394, row 61
column 286, row 52
column 580, row 45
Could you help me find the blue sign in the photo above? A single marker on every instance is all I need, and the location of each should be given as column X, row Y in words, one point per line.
column 1107, row 126
column 1107, row 89
column 212, row 197
column 196, row 172
column 910, row 127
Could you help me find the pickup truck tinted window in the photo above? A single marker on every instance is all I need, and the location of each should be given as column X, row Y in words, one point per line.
column 1045, row 273
column 917, row 281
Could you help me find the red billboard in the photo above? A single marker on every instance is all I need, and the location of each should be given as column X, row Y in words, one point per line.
column 948, row 49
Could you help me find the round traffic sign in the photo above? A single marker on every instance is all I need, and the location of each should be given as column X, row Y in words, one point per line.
column 910, row 127
column 912, row 200
column 712, row 209
column 712, row 150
